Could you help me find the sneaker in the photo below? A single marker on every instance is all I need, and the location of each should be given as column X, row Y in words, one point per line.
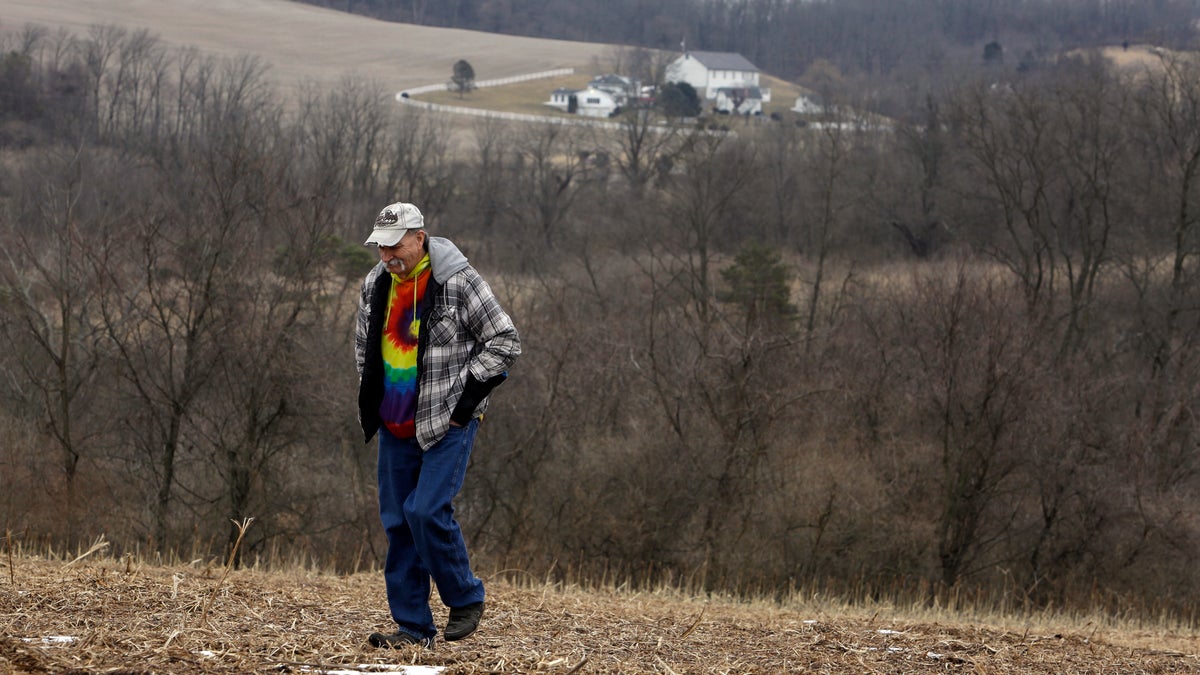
column 463, row 621
column 398, row 640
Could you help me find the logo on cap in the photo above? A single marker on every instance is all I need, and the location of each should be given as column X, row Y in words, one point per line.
column 387, row 217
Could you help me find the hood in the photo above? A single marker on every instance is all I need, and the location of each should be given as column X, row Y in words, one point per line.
column 445, row 259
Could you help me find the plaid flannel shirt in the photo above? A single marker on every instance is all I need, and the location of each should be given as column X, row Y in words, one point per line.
column 466, row 346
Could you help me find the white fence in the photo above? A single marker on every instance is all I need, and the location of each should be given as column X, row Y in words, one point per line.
column 405, row 97
column 519, row 117
column 425, row 89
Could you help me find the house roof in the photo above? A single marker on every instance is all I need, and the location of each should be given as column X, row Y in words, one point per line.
column 592, row 91
column 723, row 61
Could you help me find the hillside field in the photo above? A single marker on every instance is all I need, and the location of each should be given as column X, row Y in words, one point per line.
column 304, row 43
column 117, row 615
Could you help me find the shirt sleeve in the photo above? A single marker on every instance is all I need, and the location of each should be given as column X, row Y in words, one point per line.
column 492, row 328
column 360, row 324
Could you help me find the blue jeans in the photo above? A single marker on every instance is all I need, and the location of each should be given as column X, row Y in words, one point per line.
column 415, row 493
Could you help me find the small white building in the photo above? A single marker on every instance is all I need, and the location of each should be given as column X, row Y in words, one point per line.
column 590, row 102
column 809, row 104
column 561, row 98
column 709, row 72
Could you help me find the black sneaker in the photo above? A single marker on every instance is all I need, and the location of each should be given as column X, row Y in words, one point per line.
column 463, row 621
column 398, row 640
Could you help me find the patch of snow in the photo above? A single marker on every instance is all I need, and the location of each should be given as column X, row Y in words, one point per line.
column 52, row 640
column 810, row 621
column 888, row 631
column 362, row 668
column 935, row 655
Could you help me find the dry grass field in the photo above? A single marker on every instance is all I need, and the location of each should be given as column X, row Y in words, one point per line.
column 303, row 43
column 307, row 44
column 105, row 615
column 1136, row 58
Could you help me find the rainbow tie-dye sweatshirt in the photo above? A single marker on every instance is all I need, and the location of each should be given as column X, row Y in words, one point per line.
column 401, row 330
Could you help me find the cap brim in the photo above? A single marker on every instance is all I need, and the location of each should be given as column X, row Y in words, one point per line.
column 384, row 238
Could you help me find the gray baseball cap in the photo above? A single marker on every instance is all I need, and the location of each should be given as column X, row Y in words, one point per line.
column 393, row 221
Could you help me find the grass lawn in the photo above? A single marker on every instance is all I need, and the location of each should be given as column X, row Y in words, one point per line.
column 530, row 97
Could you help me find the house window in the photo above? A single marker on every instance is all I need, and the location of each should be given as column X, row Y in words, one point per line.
column 593, row 101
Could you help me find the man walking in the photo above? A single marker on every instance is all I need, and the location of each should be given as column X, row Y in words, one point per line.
column 430, row 344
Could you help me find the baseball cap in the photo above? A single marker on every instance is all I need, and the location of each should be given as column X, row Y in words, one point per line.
column 393, row 221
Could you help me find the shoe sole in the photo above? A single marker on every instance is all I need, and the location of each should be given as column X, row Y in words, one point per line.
column 381, row 641
column 455, row 638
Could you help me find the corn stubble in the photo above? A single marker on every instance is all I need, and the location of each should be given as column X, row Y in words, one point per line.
column 103, row 614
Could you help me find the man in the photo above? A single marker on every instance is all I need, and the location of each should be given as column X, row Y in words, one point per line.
column 430, row 344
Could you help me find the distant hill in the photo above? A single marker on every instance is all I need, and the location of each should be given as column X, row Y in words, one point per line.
column 305, row 43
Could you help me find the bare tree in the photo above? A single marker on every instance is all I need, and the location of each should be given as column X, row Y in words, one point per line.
column 1050, row 161
column 701, row 205
column 490, row 193
column 644, row 147
column 975, row 365
column 418, row 161
column 58, row 231
column 347, row 153
column 183, row 256
column 545, row 172
column 830, row 194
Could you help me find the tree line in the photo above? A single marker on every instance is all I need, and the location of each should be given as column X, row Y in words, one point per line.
column 785, row 37
column 959, row 352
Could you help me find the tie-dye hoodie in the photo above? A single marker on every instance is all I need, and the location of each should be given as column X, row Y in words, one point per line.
column 400, row 330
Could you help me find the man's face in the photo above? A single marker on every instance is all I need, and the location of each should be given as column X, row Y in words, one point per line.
column 401, row 258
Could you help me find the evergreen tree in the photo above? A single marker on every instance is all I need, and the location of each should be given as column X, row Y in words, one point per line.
column 463, row 79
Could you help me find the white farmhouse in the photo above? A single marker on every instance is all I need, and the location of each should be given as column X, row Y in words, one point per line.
column 710, row 73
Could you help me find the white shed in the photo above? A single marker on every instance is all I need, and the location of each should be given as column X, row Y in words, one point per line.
column 594, row 102
column 808, row 104
column 561, row 98
column 590, row 102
